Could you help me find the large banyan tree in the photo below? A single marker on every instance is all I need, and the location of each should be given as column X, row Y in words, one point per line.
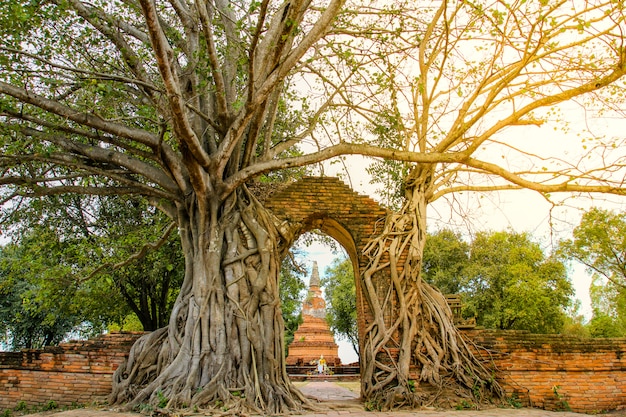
column 186, row 103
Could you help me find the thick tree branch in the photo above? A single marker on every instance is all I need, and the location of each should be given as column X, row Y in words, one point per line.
column 82, row 118
column 108, row 156
column 616, row 187
column 343, row 148
column 164, row 56
column 221, row 94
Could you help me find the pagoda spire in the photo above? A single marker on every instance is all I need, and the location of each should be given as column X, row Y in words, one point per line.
column 315, row 276
column 314, row 304
column 313, row 339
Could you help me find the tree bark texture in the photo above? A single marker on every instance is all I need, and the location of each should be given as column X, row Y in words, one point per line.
column 412, row 354
column 223, row 347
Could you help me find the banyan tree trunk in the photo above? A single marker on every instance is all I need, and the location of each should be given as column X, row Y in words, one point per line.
column 223, row 347
column 413, row 355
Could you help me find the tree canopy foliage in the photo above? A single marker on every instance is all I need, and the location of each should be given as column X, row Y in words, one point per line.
column 505, row 279
column 511, row 284
column 446, row 256
column 185, row 104
column 34, row 312
column 88, row 255
column 599, row 243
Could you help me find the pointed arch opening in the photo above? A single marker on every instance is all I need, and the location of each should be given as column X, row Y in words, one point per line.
column 329, row 206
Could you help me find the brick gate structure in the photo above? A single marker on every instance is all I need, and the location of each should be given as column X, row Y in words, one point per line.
column 329, row 205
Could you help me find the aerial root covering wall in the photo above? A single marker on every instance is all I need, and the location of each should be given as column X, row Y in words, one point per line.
column 77, row 372
column 557, row 372
column 554, row 372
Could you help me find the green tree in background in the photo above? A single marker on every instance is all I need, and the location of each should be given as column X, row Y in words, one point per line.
column 505, row 281
column 340, row 297
column 40, row 302
column 291, row 294
column 90, row 256
column 140, row 257
column 446, row 256
column 599, row 243
column 574, row 322
column 603, row 325
column 511, row 284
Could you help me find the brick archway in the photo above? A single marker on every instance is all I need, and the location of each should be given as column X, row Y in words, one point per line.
column 329, row 205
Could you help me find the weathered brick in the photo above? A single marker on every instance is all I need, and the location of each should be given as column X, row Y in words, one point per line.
column 587, row 372
column 70, row 373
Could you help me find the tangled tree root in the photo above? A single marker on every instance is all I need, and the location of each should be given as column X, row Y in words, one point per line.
column 144, row 384
column 413, row 355
column 223, row 348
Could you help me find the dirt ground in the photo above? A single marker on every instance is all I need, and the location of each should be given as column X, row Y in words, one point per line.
column 100, row 410
column 354, row 386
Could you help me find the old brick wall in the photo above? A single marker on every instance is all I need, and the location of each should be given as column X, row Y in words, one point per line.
column 77, row 372
column 554, row 372
column 557, row 372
